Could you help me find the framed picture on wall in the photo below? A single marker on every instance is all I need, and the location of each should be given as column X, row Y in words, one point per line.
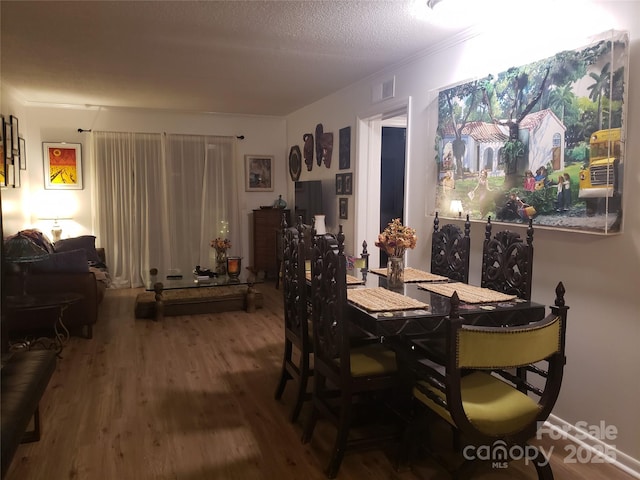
column 258, row 173
column 344, row 155
column 344, row 208
column 3, row 160
column 339, row 184
column 348, row 183
column 14, row 133
column 22, row 153
column 62, row 166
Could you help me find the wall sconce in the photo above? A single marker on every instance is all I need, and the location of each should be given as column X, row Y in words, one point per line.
column 456, row 207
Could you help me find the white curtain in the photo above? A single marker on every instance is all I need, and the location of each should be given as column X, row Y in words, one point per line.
column 161, row 199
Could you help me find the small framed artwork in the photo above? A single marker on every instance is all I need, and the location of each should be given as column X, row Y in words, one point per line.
column 339, row 184
column 14, row 133
column 258, row 173
column 62, row 166
column 22, row 153
column 344, row 154
column 6, row 128
column 348, row 183
column 344, row 208
column 3, row 160
column 15, row 171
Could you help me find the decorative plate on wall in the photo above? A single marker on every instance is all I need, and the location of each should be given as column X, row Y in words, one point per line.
column 295, row 163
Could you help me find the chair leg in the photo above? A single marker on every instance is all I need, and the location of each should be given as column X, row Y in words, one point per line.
column 301, row 394
column 543, row 465
column 284, row 374
column 342, row 436
column 310, row 426
column 33, row 435
column 318, row 389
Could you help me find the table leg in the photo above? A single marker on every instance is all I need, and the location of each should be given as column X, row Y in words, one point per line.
column 158, row 287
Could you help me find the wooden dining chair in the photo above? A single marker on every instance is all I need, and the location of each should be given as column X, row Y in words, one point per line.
column 296, row 325
column 507, row 262
column 480, row 396
column 343, row 374
column 450, row 249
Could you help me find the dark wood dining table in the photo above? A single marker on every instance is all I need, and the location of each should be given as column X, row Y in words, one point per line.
column 431, row 318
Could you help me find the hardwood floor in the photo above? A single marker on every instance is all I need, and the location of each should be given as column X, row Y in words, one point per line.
column 191, row 398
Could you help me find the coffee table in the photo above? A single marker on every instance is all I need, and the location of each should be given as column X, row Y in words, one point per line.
column 165, row 294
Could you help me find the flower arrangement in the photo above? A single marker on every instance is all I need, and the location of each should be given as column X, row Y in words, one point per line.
column 221, row 245
column 396, row 238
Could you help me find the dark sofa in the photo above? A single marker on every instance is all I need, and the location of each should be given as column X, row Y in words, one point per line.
column 74, row 265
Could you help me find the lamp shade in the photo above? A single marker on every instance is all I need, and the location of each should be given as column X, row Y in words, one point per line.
column 20, row 249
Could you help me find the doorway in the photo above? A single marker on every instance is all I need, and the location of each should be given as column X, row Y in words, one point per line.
column 382, row 188
column 392, row 176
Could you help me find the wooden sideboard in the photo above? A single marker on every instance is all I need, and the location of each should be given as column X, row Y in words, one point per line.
column 266, row 223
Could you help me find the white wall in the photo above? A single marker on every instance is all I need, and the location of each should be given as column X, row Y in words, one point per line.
column 601, row 274
column 263, row 136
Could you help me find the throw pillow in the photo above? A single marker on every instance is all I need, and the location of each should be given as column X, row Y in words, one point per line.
column 72, row 261
column 85, row 242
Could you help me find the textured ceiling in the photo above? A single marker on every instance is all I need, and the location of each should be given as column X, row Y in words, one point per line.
column 245, row 57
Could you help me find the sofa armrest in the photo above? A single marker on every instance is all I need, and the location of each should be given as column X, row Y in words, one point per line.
column 101, row 254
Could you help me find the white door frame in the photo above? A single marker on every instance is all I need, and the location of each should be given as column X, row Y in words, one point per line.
column 368, row 162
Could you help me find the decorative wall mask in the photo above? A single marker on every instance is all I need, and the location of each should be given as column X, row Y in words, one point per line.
column 327, row 148
column 308, row 150
column 319, row 134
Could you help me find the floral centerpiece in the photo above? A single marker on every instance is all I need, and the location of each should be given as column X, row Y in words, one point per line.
column 394, row 240
column 221, row 245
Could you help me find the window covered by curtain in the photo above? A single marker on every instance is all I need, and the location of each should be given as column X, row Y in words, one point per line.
column 161, row 199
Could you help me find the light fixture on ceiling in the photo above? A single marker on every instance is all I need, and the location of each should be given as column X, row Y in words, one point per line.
column 432, row 3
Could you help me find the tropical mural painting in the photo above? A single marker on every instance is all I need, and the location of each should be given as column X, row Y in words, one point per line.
column 543, row 141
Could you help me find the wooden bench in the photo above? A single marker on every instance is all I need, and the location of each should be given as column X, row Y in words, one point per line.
column 25, row 376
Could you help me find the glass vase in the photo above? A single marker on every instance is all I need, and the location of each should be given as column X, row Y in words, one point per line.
column 395, row 272
column 221, row 262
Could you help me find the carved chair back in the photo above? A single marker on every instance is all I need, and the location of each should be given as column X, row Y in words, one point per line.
column 329, row 302
column 450, row 250
column 507, row 262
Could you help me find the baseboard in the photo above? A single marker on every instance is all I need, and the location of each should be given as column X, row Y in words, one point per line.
column 594, row 446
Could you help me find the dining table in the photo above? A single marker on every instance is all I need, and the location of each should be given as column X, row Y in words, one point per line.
column 421, row 305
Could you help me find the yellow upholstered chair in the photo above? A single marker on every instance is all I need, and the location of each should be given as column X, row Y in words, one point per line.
column 344, row 372
column 479, row 395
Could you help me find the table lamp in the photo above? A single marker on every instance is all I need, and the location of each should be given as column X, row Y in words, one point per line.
column 21, row 250
column 456, row 207
column 56, row 228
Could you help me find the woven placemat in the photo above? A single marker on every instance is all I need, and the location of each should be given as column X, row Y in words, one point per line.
column 382, row 300
column 351, row 280
column 413, row 275
column 467, row 293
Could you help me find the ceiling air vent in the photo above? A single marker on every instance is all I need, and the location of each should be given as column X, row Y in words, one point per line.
column 384, row 90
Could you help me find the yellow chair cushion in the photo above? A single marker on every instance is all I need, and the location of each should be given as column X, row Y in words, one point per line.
column 373, row 359
column 494, row 407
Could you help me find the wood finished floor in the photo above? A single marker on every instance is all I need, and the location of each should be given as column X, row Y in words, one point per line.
column 191, row 398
